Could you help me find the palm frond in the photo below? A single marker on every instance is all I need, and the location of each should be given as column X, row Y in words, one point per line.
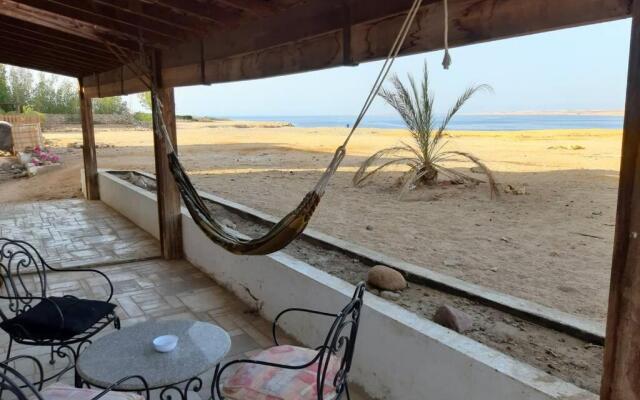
column 452, row 173
column 457, row 106
column 400, row 100
column 363, row 173
column 410, row 180
column 493, row 185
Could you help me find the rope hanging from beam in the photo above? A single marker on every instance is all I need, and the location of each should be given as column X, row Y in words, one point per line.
column 446, row 61
column 294, row 223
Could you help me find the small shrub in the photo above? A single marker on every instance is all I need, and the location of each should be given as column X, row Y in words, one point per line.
column 143, row 117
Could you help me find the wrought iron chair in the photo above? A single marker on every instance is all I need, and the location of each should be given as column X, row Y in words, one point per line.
column 291, row 372
column 15, row 386
column 31, row 317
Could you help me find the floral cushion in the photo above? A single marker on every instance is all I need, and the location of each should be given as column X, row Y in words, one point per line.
column 261, row 382
column 59, row 391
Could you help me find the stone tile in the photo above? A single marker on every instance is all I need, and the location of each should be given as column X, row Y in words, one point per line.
column 203, row 301
column 75, row 232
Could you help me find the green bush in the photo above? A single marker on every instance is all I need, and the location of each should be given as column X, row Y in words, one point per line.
column 143, row 117
column 30, row 112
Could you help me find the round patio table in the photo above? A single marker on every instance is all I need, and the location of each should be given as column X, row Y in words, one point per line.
column 130, row 351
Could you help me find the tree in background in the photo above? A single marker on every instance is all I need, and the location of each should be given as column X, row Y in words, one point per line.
column 44, row 94
column 5, row 95
column 67, row 100
column 21, row 86
column 110, row 105
column 49, row 95
column 145, row 99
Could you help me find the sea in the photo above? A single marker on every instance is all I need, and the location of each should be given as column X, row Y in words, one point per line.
column 460, row 122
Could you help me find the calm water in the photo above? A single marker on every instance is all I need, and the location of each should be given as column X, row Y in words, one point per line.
column 461, row 122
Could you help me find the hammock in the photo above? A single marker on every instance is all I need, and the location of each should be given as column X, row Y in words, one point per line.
column 294, row 223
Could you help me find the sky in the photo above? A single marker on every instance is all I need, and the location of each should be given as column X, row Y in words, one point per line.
column 581, row 68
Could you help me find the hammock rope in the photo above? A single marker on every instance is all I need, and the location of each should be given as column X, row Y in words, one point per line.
column 294, row 223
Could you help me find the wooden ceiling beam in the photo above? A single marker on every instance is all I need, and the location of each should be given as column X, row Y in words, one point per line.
column 90, row 63
column 275, row 46
column 162, row 15
column 50, row 54
column 26, row 61
column 118, row 11
column 222, row 16
column 259, row 8
column 37, row 42
column 36, row 16
column 9, row 60
column 108, row 24
column 30, row 30
column 314, row 19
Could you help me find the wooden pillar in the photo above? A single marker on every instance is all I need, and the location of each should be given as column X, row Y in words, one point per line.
column 621, row 377
column 92, row 191
column 168, row 195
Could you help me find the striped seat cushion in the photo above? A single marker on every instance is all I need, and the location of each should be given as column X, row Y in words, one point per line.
column 260, row 382
column 59, row 391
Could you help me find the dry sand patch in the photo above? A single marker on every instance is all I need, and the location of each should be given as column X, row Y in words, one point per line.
column 552, row 245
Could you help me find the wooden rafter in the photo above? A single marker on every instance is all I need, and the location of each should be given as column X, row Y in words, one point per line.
column 40, row 44
column 259, row 8
column 107, row 24
column 161, row 15
column 76, row 27
column 222, row 16
column 274, row 46
column 42, row 65
column 29, row 31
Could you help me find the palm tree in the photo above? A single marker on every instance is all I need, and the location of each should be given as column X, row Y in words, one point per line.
column 425, row 156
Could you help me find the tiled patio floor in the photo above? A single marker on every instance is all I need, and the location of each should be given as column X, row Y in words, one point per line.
column 76, row 232
column 158, row 289
column 144, row 290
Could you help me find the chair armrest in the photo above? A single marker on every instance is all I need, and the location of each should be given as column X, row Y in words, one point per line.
column 303, row 310
column 120, row 382
column 218, row 374
column 94, row 271
column 37, row 384
column 28, row 248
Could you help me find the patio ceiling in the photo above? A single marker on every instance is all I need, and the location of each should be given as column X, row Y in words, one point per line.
column 208, row 41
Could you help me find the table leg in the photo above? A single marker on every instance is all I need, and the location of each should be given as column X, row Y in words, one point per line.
column 214, row 384
column 194, row 384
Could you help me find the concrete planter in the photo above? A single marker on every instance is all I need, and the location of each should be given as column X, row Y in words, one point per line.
column 399, row 354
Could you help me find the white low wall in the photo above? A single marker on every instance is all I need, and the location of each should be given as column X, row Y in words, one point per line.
column 399, row 355
column 137, row 204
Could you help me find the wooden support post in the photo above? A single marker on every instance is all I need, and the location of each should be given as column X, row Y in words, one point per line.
column 168, row 195
column 92, row 191
column 621, row 377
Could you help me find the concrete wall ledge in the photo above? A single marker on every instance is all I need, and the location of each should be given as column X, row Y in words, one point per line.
column 582, row 328
column 399, row 354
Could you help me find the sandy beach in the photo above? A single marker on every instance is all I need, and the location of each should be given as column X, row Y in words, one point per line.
column 551, row 245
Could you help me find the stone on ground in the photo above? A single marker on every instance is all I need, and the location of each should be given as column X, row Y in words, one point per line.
column 453, row 319
column 385, row 278
column 389, row 295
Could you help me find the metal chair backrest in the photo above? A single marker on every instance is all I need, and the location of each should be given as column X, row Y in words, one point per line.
column 15, row 386
column 340, row 342
column 23, row 276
